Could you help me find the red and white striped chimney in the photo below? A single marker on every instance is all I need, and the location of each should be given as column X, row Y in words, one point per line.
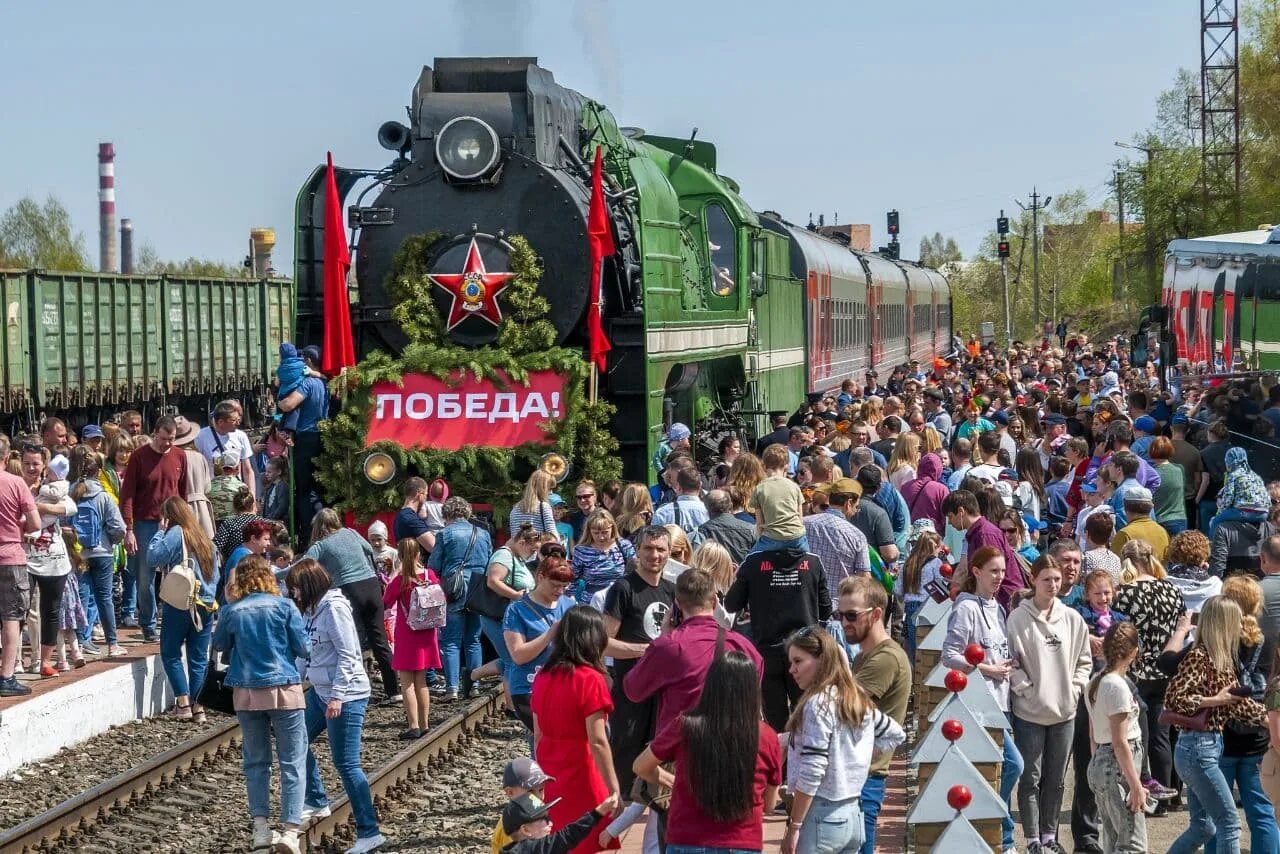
column 106, row 207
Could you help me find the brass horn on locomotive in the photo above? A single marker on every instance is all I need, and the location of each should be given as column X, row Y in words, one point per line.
column 555, row 465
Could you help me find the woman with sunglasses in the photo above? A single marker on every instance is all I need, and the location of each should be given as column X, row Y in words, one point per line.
column 601, row 558
column 528, row 626
column 978, row 619
column 835, row 732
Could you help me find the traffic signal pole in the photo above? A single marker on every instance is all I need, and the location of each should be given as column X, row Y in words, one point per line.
column 1008, row 322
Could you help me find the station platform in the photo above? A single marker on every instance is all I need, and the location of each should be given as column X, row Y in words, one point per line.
column 891, row 829
column 79, row 704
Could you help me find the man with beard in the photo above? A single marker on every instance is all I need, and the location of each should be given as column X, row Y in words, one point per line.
column 883, row 670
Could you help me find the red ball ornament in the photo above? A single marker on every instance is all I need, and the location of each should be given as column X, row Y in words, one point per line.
column 946, row 570
column 959, row 797
column 955, row 681
column 975, row 654
column 952, row 730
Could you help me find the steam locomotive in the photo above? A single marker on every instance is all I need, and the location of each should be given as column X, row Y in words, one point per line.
column 718, row 315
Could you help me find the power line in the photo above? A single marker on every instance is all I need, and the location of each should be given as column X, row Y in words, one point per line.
column 1036, row 207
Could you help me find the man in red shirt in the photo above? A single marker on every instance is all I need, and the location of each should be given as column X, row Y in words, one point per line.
column 156, row 472
column 961, row 510
column 18, row 516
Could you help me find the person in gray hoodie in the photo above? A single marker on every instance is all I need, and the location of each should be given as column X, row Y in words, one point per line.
column 978, row 619
column 97, row 511
column 337, row 699
column 1049, row 643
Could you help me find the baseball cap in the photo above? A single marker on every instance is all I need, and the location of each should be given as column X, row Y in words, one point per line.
column 554, row 499
column 1146, row 424
column 1137, row 493
column 1055, row 418
column 678, row 431
column 312, row 352
column 1032, row 523
column 935, row 394
column 1000, row 417
column 520, row 811
column 1089, row 487
column 1180, row 418
column 226, row 461
column 840, row 486
column 523, row 773
column 92, row 431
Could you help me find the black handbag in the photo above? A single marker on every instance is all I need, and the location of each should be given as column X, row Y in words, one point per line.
column 483, row 600
column 215, row 694
column 455, row 582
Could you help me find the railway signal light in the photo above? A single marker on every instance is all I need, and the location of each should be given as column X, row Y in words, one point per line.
column 1002, row 249
column 892, row 218
column 1002, row 225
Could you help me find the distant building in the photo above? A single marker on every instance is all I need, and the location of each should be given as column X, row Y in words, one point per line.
column 854, row 235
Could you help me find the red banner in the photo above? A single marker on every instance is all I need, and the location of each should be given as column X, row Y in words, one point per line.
column 425, row 412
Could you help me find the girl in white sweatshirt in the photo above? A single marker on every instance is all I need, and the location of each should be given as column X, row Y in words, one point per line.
column 834, row 731
column 1049, row 642
column 977, row 619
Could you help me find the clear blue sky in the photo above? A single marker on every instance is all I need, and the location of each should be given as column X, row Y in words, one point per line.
column 944, row 110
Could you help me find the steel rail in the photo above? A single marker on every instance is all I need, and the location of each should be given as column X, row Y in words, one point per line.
column 69, row 816
column 406, row 765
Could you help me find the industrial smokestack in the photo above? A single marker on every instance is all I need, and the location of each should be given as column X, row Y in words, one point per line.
column 126, row 245
column 261, row 242
column 106, row 207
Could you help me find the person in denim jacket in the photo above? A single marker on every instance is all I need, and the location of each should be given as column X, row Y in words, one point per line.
column 264, row 634
column 460, row 547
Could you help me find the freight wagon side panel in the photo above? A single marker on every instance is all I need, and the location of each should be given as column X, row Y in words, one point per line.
column 277, row 323
column 15, row 357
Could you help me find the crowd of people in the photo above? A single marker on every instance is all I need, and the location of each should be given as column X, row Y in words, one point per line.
column 738, row 637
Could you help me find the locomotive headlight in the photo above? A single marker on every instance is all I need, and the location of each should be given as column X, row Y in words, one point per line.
column 467, row 148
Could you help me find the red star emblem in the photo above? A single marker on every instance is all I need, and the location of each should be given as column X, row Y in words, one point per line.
column 475, row 290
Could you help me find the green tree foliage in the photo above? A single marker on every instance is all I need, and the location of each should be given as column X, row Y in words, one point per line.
column 148, row 262
column 41, row 235
column 937, row 251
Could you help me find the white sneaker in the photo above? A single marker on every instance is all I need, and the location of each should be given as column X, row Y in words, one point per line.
column 309, row 813
column 367, row 843
column 264, row 838
column 287, row 843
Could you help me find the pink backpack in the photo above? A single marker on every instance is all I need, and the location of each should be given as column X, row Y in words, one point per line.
column 427, row 607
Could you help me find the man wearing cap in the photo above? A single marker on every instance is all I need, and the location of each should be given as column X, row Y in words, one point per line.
column 1144, row 433
column 676, row 439
column 832, row 537
column 311, row 399
column 935, row 414
column 1138, row 504
column 93, row 436
column 1055, row 435
column 873, row 387
column 1186, row 455
column 223, row 438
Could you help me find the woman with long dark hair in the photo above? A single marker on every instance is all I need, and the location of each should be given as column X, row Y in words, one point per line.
column 835, row 732
column 571, row 706
column 179, row 539
column 728, row 764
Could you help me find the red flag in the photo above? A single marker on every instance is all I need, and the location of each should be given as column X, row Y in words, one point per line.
column 339, row 352
column 600, row 243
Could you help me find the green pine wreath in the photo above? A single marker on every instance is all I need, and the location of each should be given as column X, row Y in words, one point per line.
column 525, row 344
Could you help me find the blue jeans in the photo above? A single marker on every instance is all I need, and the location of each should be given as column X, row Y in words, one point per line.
column 1207, row 508
column 1209, row 800
column 139, row 579
column 909, row 611
column 97, row 577
column 702, row 849
column 290, row 728
column 461, row 630
column 177, row 633
column 1232, row 514
column 832, row 827
column 493, row 631
column 1174, row 526
column 344, row 746
column 1010, row 773
column 872, row 801
column 769, row 544
column 1245, row 772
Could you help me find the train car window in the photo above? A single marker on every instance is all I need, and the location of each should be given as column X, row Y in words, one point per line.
column 722, row 244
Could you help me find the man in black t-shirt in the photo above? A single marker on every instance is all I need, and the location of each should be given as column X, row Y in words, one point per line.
column 634, row 610
column 409, row 524
column 785, row 590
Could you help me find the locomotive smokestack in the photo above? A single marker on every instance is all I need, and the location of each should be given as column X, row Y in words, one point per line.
column 106, row 207
column 126, row 245
column 262, row 241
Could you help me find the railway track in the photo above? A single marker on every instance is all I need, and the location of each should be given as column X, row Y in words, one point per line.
column 139, row 809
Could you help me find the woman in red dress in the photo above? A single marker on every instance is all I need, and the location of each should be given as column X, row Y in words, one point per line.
column 571, row 705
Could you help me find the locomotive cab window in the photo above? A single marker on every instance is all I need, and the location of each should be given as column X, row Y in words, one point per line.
column 722, row 249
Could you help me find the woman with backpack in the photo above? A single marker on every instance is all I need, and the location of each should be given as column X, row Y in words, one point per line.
column 337, row 700
column 181, row 542
column 99, row 527
column 420, row 613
